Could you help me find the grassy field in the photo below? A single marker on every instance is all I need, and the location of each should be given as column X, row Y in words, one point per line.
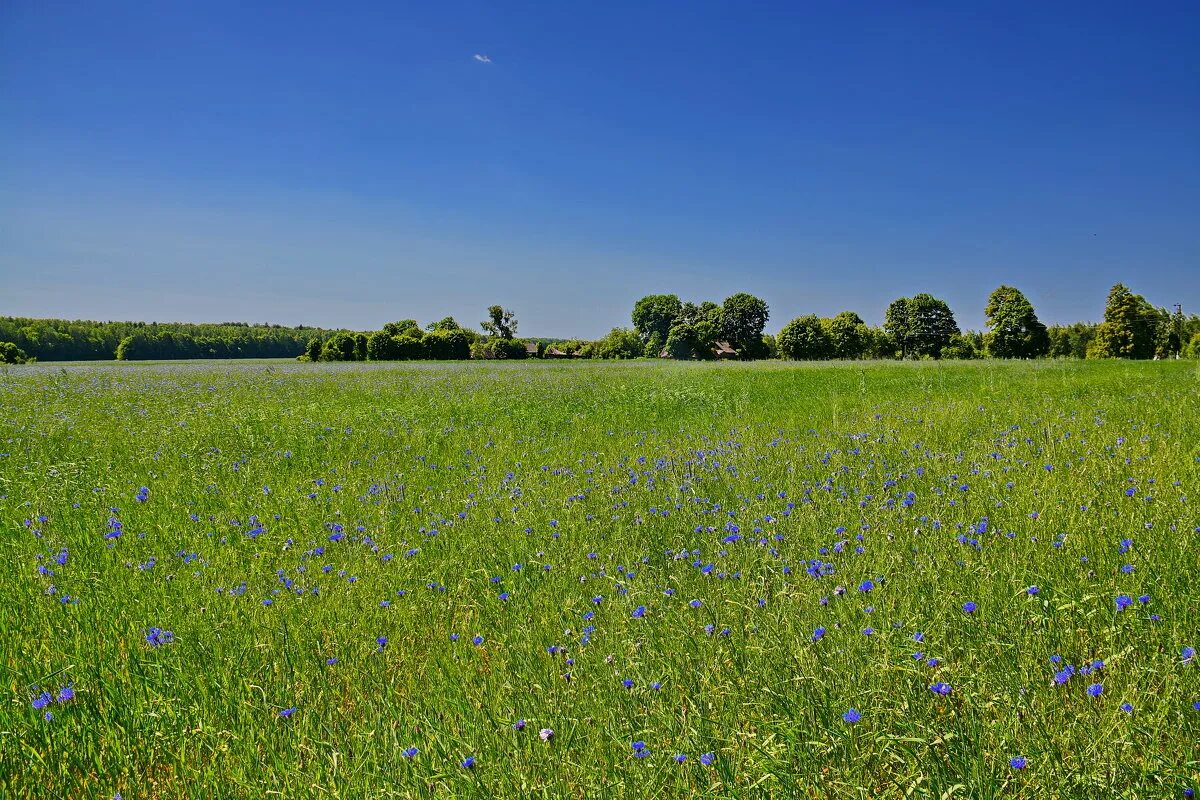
column 885, row 580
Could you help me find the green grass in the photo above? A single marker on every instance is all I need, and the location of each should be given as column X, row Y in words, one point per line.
column 541, row 465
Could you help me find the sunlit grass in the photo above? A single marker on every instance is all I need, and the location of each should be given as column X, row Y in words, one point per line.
column 727, row 484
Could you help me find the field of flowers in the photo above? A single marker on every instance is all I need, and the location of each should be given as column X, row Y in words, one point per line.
column 605, row 580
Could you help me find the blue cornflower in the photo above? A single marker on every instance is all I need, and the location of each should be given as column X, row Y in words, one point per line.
column 477, row 640
column 382, row 642
column 156, row 636
column 1095, row 690
column 707, row 759
column 852, row 716
column 818, row 634
column 468, row 762
column 287, row 712
column 409, row 752
column 1127, row 708
column 695, row 604
column 866, row 586
column 627, row 683
column 1018, row 762
column 639, row 612
column 940, row 688
column 1032, row 590
column 969, row 607
column 42, row 700
column 680, row 758
column 1124, row 601
column 66, row 694
column 519, row 725
column 918, row 637
column 1189, row 653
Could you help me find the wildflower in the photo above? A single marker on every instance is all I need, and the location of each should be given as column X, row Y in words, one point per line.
column 409, row 752
column 680, row 758
column 639, row 612
column 695, row 604
column 866, row 586
column 477, row 640
column 287, row 712
column 156, row 636
column 1127, row 708
column 969, row 607
column 940, row 688
column 519, row 725
column 546, row 734
column 852, row 716
column 1188, row 654
column 627, row 683
column 66, row 694
column 1018, row 762
column 1032, row 590
column 1124, row 601
column 42, row 700
column 468, row 762
column 707, row 759
column 818, row 634
column 1095, row 690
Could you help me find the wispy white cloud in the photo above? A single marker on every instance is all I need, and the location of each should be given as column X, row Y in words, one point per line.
column 482, row 59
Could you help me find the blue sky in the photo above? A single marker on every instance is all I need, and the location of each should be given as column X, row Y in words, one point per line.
column 349, row 164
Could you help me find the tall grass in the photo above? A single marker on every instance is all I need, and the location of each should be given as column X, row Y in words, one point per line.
column 294, row 517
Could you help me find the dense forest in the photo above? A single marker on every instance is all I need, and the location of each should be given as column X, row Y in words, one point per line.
column 917, row 327
column 83, row 340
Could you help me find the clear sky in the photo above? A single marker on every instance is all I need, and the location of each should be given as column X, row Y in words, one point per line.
column 347, row 164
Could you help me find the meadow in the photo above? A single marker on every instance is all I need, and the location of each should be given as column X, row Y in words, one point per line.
column 600, row 580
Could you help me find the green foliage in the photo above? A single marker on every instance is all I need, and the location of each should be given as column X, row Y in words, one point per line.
column 448, row 344
column 1071, row 341
column 11, row 354
column 1130, row 327
column 444, row 324
column 1016, row 332
column 848, row 335
column 962, row 347
column 804, row 339
column 342, row 346
column 1192, row 349
column 501, row 323
column 742, row 319
column 85, row 340
column 921, row 325
column 406, row 325
column 654, row 315
column 682, row 343
column 620, row 343
column 496, row 348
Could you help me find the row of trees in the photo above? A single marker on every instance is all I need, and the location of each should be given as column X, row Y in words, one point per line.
column 921, row 326
column 85, row 340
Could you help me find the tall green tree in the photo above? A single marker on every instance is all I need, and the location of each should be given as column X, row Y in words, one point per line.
column 654, row 315
column 1016, row 332
column 1130, row 327
column 921, row 325
column 804, row 339
column 501, row 322
column 743, row 317
column 848, row 335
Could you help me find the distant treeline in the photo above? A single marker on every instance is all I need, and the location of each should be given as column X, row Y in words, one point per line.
column 920, row 327
column 84, row 340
